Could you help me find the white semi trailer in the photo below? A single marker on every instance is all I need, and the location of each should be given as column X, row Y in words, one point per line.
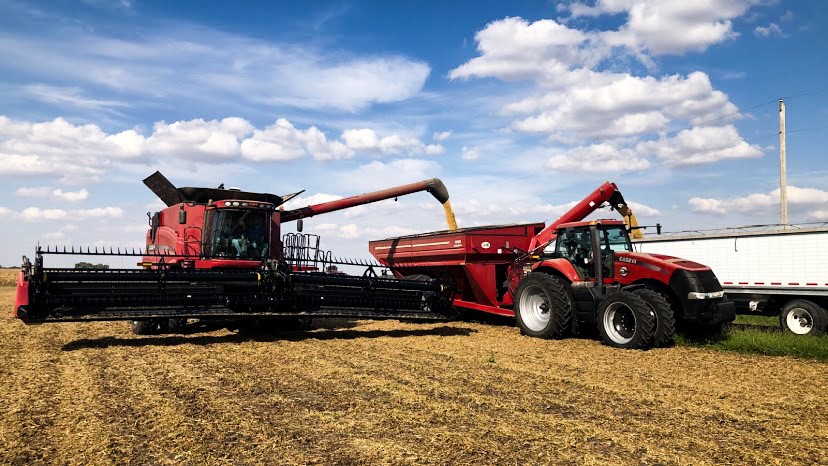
column 762, row 268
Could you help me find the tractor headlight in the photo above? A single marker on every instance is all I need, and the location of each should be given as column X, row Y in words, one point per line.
column 711, row 295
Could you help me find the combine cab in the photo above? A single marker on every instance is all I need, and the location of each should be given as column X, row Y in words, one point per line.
column 217, row 253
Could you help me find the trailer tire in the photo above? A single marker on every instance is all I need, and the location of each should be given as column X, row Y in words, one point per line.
column 803, row 317
column 543, row 307
column 665, row 320
column 143, row 327
column 625, row 321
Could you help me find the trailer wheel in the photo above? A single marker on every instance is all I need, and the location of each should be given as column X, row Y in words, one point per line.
column 803, row 317
column 665, row 325
column 625, row 321
column 143, row 327
column 543, row 308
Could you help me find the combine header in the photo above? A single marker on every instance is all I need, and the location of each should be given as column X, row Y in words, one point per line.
column 218, row 253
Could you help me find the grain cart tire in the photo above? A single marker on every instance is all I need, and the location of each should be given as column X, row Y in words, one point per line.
column 803, row 317
column 665, row 320
column 625, row 321
column 421, row 277
column 543, row 307
column 143, row 327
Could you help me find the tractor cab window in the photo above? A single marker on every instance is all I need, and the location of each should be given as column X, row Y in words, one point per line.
column 237, row 234
column 575, row 245
column 615, row 239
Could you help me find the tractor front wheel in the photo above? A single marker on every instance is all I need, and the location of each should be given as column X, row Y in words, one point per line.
column 543, row 308
column 665, row 321
column 626, row 321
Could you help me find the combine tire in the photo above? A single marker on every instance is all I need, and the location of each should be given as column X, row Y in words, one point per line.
column 176, row 325
column 143, row 327
column 543, row 308
column 803, row 317
column 625, row 321
column 665, row 321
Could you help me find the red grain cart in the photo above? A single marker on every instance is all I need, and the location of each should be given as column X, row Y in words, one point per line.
column 478, row 260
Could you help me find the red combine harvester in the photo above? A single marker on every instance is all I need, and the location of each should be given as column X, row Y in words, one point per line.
column 218, row 253
column 590, row 277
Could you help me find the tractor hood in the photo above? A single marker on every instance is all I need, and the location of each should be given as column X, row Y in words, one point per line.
column 666, row 264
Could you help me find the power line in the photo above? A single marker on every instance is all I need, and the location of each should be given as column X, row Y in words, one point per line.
column 805, row 93
column 805, row 129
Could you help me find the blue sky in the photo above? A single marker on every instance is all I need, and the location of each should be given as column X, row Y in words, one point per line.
column 520, row 107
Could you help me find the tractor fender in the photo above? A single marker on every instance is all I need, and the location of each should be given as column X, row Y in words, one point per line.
column 560, row 267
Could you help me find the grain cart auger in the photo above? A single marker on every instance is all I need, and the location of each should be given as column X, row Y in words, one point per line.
column 218, row 253
column 568, row 276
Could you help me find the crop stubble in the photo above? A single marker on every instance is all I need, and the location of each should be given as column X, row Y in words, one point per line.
column 391, row 392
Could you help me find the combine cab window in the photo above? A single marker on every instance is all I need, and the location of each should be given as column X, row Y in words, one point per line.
column 236, row 234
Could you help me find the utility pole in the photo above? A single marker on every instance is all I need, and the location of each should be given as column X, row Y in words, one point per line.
column 783, row 183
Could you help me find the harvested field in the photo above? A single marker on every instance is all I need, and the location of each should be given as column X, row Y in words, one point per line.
column 8, row 277
column 389, row 392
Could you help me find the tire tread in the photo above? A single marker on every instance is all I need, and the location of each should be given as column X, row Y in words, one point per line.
column 560, row 322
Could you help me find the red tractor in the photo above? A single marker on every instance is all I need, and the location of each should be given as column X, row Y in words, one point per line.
column 217, row 253
column 568, row 276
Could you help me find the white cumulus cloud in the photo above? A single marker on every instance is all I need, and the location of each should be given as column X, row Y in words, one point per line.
column 699, row 145
column 470, row 153
column 80, row 153
column 441, row 135
column 181, row 63
column 798, row 198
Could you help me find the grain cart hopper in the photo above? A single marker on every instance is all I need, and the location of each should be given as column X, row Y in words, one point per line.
column 218, row 253
column 568, row 276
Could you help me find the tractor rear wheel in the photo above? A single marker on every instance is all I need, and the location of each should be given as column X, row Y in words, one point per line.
column 543, row 307
column 803, row 317
column 143, row 327
column 625, row 321
column 665, row 321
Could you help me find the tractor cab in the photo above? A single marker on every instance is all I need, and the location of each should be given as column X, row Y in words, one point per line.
column 582, row 242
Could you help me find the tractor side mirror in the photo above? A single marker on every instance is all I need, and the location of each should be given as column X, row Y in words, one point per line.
column 299, row 225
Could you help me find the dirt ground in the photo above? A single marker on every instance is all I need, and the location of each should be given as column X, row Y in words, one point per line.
column 394, row 393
